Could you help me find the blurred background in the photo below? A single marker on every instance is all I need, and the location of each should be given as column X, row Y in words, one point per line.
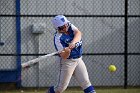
column 111, row 35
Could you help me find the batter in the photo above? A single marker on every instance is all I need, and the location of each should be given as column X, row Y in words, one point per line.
column 68, row 39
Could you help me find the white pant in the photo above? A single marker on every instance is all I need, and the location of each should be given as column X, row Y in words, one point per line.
column 69, row 68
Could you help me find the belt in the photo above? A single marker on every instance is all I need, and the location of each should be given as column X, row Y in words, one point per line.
column 74, row 57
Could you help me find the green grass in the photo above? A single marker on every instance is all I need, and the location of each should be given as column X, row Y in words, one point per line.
column 77, row 90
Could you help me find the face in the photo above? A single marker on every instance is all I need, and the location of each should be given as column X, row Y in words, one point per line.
column 62, row 29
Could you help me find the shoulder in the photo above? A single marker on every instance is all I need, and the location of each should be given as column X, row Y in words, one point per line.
column 57, row 36
column 73, row 27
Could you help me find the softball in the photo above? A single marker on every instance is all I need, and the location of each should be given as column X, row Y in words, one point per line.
column 112, row 68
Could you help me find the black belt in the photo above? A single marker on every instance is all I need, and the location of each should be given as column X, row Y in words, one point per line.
column 74, row 57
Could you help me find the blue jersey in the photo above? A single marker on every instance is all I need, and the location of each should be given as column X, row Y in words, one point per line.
column 62, row 40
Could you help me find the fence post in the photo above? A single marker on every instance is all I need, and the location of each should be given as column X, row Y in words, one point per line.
column 18, row 43
column 126, row 45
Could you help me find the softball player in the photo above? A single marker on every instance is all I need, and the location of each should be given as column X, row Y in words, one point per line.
column 68, row 39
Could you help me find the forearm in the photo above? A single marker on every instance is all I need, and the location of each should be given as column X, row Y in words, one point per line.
column 77, row 37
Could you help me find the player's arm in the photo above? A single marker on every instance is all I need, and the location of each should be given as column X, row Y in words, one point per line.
column 77, row 38
column 65, row 53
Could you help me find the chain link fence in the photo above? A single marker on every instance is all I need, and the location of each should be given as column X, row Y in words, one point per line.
column 110, row 28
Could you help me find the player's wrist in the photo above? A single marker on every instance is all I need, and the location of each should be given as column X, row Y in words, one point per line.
column 67, row 49
column 72, row 45
column 73, row 42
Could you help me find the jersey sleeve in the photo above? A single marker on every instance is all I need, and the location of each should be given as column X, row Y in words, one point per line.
column 74, row 27
column 57, row 43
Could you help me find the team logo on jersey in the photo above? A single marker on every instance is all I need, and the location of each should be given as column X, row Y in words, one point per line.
column 67, row 41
